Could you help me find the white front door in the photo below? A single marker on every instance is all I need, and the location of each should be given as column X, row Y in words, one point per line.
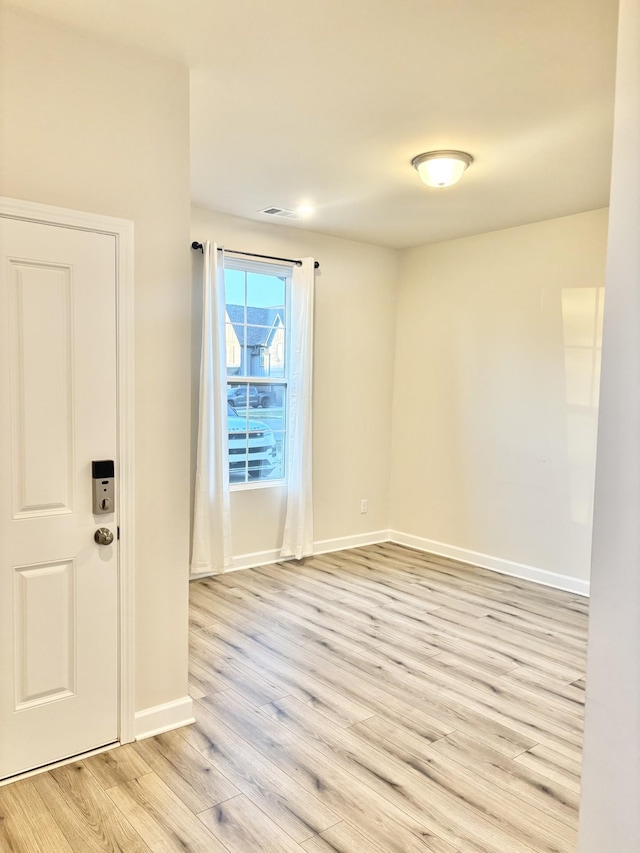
column 58, row 587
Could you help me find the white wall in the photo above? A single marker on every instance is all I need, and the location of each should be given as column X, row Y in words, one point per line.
column 609, row 814
column 353, row 375
column 97, row 127
column 496, row 388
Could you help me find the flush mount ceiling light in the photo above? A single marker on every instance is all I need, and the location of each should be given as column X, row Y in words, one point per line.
column 441, row 168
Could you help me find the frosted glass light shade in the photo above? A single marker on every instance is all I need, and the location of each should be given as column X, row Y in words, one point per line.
column 441, row 168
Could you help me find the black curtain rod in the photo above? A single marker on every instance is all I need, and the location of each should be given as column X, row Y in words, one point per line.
column 316, row 264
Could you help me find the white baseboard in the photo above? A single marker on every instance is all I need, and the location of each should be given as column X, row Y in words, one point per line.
column 163, row 718
column 495, row 564
column 244, row 561
column 258, row 558
column 324, row 546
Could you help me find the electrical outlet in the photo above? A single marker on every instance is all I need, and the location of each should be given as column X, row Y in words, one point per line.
column 363, row 505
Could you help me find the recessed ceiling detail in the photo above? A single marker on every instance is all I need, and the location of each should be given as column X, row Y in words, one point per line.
column 282, row 212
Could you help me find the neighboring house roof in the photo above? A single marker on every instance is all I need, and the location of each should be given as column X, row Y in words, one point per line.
column 262, row 323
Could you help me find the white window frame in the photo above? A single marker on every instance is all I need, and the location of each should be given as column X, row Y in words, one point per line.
column 265, row 267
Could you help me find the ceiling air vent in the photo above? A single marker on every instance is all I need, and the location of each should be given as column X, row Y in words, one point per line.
column 280, row 212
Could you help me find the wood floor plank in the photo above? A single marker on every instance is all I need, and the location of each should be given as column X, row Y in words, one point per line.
column 241, row 825
column 341, row 838
column 522, row 721
column 316, row 621
column 251, row 684
column 360, row 582
column 245, row 610
column 510, row 594
column 26, row 824
column 238, row 615
column 84, row 812
column 555, row 766
column 397, row 786
column 559, row 685
column 564, row 711
column 319, row 581
column 189, row 775
column 161, row 818
column 388, row 691
column 566, row 699
column 414, row 565
column 418, row 769
column 376, row 818
column 540, row 622
column 294, row 681
column 116, row 766
column 299, row 812
column 202, row 679
column 496, row 771
column 444, row 624
column 501, row 709
column 490, row 636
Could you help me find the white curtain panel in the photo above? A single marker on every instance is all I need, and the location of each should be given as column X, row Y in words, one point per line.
column 298, row 527
column 211, row 542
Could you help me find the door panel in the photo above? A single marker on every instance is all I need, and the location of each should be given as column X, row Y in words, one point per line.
column 58, row 588
column 45, row 633
column 41, row 331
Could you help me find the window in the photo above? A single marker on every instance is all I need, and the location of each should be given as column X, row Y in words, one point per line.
column 256, row 298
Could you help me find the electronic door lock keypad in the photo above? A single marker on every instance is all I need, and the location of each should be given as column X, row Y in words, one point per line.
column 102, row 472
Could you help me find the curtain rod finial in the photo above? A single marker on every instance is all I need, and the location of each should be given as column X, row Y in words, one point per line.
column 196, row 245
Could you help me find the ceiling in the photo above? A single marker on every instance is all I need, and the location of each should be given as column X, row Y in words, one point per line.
column 325, row 102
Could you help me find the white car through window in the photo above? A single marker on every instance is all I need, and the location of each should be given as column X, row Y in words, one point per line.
column 253, row 453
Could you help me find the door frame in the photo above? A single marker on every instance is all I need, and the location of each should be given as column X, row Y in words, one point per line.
column 122, row 230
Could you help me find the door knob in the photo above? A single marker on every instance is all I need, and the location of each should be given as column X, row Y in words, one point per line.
column 103, row 536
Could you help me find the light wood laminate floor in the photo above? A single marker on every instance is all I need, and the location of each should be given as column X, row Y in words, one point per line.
column 376, row 700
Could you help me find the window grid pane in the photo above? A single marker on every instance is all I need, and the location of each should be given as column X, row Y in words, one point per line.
column 256, row 346
column 256, row 432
